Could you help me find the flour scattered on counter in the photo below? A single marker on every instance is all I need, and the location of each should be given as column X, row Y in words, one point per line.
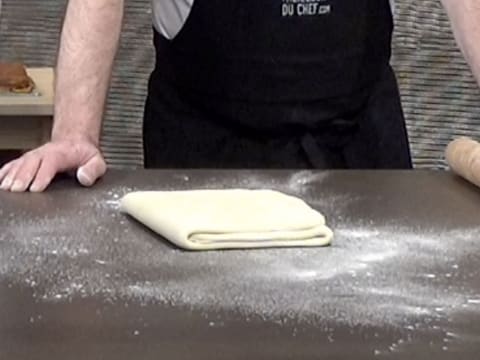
column 299, row 183
column 368, row 277
column 111, row 199
column 372, row 275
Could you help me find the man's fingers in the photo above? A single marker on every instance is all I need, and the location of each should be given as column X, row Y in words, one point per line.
column 89, row 173
column 7, row 181
column 5, row 169
column 36, row 169
column 46, row 172
column 25, row 173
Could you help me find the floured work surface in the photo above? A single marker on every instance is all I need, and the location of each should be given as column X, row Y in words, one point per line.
column 80, row 280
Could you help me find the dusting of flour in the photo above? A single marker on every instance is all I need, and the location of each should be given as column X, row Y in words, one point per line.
column 370, row 276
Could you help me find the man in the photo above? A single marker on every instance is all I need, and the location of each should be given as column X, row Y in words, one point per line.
column 239, row 83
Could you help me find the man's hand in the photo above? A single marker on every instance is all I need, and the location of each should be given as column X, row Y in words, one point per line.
column 36, row 169
column 89, row 41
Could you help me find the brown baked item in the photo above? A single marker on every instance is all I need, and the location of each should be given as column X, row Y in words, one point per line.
column 14, row 78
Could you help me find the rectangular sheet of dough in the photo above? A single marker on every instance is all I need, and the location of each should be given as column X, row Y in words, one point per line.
column 228, row 219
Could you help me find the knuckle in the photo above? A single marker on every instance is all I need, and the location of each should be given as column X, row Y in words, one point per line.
column 30, row 156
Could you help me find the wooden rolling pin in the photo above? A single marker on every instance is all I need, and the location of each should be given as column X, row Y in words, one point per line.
column 463, row 157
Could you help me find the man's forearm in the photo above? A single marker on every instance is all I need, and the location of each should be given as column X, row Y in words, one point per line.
column 88, row 45
column 465, row 18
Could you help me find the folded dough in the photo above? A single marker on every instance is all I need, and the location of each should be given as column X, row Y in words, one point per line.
column 227, row 219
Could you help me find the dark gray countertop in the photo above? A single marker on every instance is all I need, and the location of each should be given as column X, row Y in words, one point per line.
column 80, row 280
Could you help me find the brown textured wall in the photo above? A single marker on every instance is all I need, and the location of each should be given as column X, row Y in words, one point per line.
column 440, row 97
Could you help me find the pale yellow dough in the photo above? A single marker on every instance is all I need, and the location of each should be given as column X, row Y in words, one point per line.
column 228, row 219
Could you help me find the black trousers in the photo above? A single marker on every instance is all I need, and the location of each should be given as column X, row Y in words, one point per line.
column 179, row 136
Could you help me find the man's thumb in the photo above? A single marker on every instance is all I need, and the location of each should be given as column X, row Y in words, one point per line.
column 88, row 173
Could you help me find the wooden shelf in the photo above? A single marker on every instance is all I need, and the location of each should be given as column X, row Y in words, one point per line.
column 26, row 120
column 30, row 104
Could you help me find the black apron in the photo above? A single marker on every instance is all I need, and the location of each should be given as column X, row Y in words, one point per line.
column 277, row 84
